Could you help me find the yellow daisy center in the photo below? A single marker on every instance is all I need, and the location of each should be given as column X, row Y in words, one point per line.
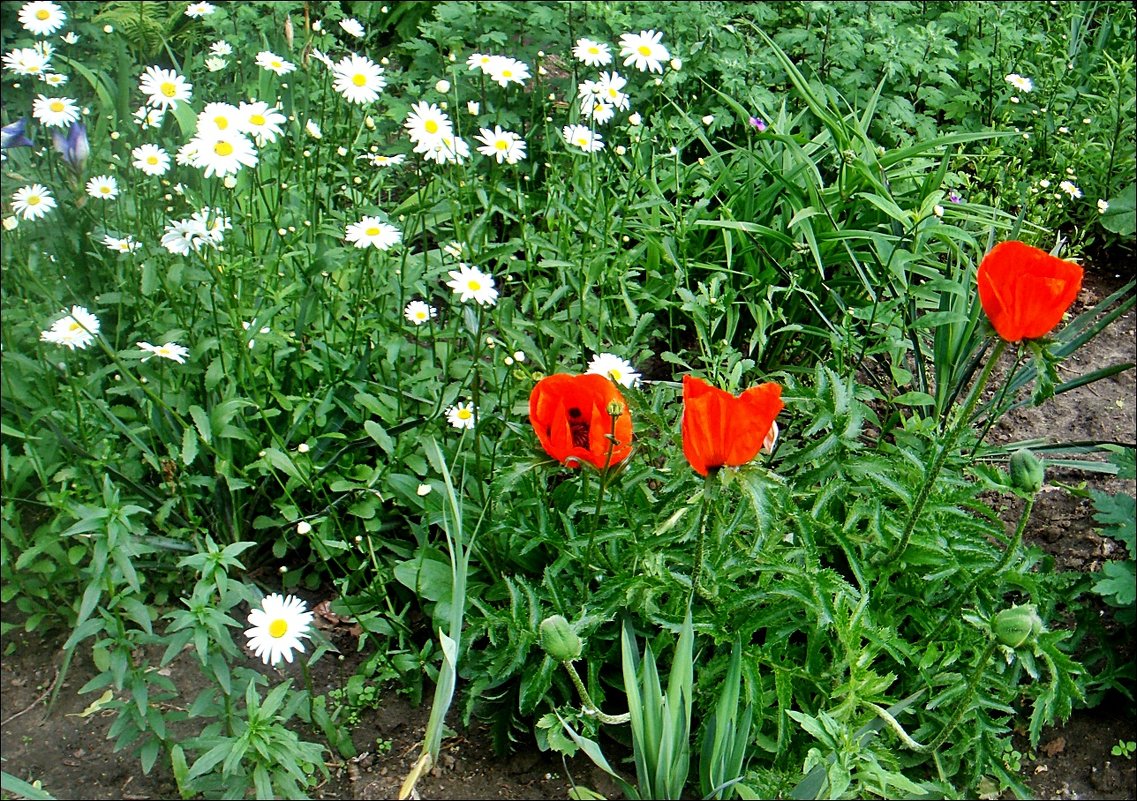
column 465, row 414
column 33, row 200
column 276, row 64
column 152, row 160
column 430, row 126
column 359, row 79
column 278, row 628
column 257, row 119
column 474, row 284
column 74, row 326
column 169, row 88
column 43, row 14
column 507, row 73
column 594, row 50
column 644, row 50
column 372, row 231
column 106, row 190
column 57, row 106
column 501, row 144
column 221, row 123
column 223, row 149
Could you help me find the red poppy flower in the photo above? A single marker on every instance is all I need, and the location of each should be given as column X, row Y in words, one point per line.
column 720, row 429
column 570, row 414
column 1025, row 291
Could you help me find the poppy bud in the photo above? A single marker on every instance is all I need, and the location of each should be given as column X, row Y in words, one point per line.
column 1027, row 471
column 559, row 640
column 1013, row 627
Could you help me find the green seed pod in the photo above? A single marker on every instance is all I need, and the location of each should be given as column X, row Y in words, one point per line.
column 559, row 640
column 1027, row 472
column 1015, row 626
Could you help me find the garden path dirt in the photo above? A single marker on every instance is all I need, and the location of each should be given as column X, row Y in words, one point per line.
column 70, row 755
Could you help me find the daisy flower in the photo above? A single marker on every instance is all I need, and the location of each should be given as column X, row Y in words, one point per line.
column 446, row 151
column 419, row 312
column 55, row 112
column 1070, row 189
column 277, row 627
column 164, row 88
column 589, row 94
column 149, row 117
column 103, row 186
column 592, row 54
column 53, row 78
column 610, row 86
column 379, row 160
column 32, row 202
column 1103, row 206
column 353, row 27
column 615, row 368
column 260, row 121
column 223, row 153
column 602, row 113
column 221, row 48
column 171, row 350
column 274, row 63
column 151, row 159
column 42, row 18
column 124, row 245
column 358, row 79
column 216, row 118
column 26, row 61
column 427, row 124
column 462, row 415
column 504, row 70
column 505, row 146
column 312, row 128
column 644, row 51
column 76, row 329
column 1019, row 82
column 479, row 61
column 470, row 283
column 196, row 10
column 583, row 138
column 371, row 232
column 215, row 63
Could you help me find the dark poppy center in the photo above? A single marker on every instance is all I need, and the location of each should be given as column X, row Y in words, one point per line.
column 578, row 427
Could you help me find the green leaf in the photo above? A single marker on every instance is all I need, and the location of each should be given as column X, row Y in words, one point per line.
column 1121, row 216
column 189, row 446
column 1119, row 585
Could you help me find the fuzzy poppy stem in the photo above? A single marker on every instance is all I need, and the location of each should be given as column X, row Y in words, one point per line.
column 600, row 495
column 946, row 447
column 710, row 493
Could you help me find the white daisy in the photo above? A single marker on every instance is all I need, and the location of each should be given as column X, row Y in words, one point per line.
column 196, row 10
column 462, row 415
column 358, row 79
column 124, row 245
column 104, row 187
column 505, row 146
column 223, row 153
column 32, row 202
column 260, row 121
column 215, row 63
column 1070, row 189
column 151, row 159
column 149, row 117
column 504, row 70
column 419, row 312
column 1019, row 82
column 379, row 160
column 612, row 366
column 583, row 138
column 55, row 112
column 277, row 627
column 42, row 18
column 353, row 27
column 274, row 63
column 76, row 329
column 479, row 61
column 644, row 51
column 371, row 232
column 427, row 124
column 218, row 118
column 171, row 350
column 470, row 283
column 165, row 88
column 446, row 151
column 592, row 54
column 53, row 78
column 26, row 61
column 611, row 85
column 602, row 113
column 221, row 48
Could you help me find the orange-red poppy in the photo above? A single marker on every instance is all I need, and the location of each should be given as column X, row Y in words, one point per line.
column 1025, row 291
column 571, row 415
column 721, row 429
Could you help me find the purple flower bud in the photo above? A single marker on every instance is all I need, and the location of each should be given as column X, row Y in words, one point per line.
column 12, row 135
column 758, row 123
column 955, row 197
column 74, row 147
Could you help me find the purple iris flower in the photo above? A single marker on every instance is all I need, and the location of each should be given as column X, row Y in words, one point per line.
column 74, row 147
column 758, row 123
column 12, row 135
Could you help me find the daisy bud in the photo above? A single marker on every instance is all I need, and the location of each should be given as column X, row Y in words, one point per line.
column 442, row 87
column 303, row 527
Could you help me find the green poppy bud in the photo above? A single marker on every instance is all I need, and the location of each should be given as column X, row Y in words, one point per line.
column 559, row 640
column 1013, row 627
column 1027, row 472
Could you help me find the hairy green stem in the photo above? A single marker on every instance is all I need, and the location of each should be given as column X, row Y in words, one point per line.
column 710, row 492
column 590, row 708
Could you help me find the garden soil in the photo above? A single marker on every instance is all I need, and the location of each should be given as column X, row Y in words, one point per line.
column 69, row 753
